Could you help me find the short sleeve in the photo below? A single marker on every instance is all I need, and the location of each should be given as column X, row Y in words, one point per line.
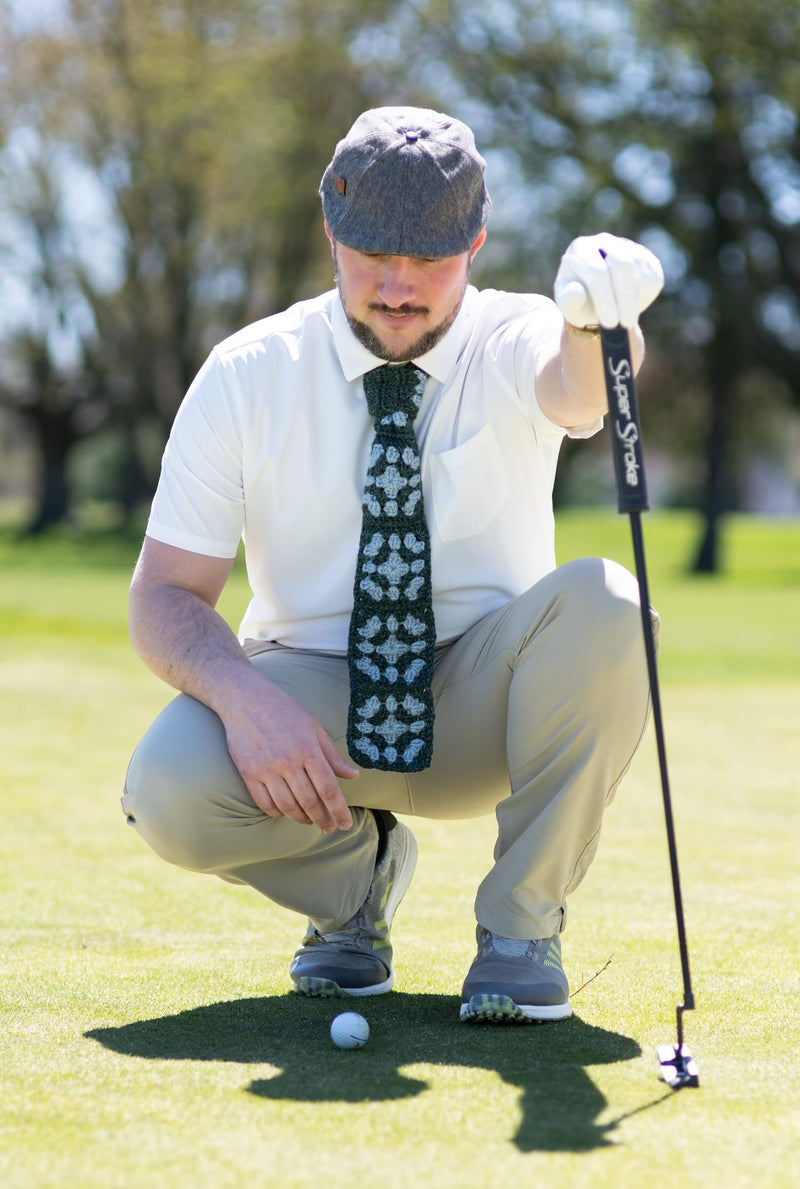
column 531, row 337
column 199, row 502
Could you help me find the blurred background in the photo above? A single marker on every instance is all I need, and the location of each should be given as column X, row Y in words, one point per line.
column 159, row 165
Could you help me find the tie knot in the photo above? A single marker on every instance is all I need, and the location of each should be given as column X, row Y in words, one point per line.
column 394, row 389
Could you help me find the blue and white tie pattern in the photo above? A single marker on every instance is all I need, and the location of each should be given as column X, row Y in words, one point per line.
column 392, row 631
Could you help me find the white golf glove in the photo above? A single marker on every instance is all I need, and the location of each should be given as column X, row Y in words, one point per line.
column 606, row 280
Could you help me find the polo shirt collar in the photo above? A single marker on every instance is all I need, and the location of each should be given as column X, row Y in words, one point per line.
column 356, row 360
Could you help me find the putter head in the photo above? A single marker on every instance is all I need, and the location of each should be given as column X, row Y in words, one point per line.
column 678, row 1067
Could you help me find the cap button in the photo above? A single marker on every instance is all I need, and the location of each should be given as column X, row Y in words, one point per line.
column 412, row 137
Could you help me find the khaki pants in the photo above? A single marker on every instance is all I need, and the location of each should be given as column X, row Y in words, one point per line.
column 539, row 709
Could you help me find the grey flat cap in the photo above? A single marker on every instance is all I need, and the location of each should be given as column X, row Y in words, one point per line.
column 406, row 181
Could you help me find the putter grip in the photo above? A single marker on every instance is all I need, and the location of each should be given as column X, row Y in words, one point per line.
column 626, row 430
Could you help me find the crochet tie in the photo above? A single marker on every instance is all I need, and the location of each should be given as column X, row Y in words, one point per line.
column 392, row 632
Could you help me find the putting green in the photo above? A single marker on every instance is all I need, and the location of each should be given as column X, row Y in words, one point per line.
column 148, row 1036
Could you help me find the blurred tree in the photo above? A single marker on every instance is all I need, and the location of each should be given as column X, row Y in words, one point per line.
column 41, row 377
column 160, row 176
column 162, row 162
column 719, row 113
column 675, row 123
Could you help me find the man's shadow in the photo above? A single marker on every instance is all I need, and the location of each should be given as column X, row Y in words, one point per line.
column 560, row 1104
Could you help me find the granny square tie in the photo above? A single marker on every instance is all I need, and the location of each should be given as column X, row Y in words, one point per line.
column 392, row 632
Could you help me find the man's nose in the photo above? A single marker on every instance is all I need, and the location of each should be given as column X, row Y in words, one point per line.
column 398, row 282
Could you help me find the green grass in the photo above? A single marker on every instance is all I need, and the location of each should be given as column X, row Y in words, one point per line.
column 148, row 1038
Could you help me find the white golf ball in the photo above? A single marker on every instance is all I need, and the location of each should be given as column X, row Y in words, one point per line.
column 349, row 1030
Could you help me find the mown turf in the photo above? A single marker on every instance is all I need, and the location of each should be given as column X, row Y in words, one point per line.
column 148, row 1038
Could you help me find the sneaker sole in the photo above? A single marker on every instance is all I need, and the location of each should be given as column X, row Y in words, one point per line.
column 500, row 1009
column 328, row 989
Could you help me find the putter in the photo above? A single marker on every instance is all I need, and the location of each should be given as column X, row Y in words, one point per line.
column 678, row 1067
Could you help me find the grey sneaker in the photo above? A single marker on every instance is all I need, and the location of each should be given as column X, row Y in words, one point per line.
column 515, row 982
column 357, row 959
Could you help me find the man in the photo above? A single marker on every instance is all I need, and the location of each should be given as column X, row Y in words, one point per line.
column 387, row 452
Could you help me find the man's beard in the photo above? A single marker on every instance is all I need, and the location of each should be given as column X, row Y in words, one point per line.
column 426, row 342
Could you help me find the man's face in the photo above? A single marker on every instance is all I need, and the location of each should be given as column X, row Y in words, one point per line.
column 399, row 307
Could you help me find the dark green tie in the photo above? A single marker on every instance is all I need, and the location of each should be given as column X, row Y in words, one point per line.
column 392, row 632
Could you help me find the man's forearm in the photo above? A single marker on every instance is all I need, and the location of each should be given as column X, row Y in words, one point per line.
column 189, row 645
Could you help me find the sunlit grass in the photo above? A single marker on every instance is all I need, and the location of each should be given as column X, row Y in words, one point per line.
column 147, row 1035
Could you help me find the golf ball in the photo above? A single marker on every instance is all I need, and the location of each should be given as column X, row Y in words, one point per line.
column 349, row 1030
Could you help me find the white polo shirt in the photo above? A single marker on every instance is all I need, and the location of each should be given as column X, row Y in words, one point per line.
column 272, row 444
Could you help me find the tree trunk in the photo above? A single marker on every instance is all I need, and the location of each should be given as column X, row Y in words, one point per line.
column 134, row 486
column 55, row 439
column 717, row 493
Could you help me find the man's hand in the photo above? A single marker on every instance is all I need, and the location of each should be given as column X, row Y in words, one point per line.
column 287, row 760
column 608, row 281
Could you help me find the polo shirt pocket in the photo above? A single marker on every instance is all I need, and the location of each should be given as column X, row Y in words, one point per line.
column 469, row 486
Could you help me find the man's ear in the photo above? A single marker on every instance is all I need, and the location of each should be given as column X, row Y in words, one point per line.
column 479, row 242
column 331, row 240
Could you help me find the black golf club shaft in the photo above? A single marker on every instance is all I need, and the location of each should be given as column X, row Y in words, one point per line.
column 626, row 437
column 658, row 726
